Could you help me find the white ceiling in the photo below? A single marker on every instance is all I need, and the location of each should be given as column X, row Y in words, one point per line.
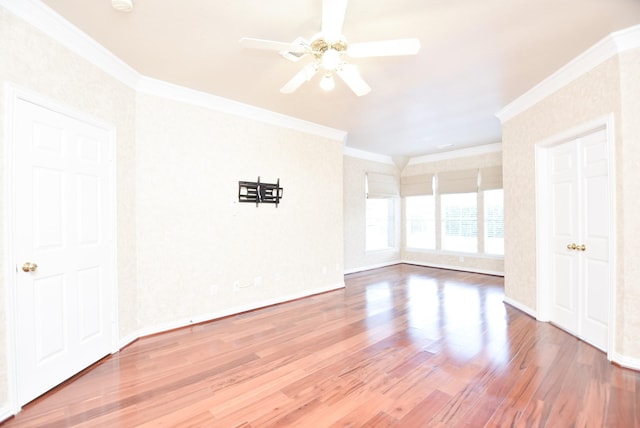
column 476, row 57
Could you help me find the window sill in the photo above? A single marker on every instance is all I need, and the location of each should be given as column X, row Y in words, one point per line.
column 454, row 253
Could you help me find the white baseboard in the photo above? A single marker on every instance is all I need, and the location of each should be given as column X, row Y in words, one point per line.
column 626, row 362
column 614, row 357
column 369, row 267
column 232, row 311
column 527, row 310
column 452, row 267
column 125, row 341
column 5, row 413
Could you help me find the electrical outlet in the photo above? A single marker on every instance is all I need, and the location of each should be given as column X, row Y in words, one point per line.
column 461, row 259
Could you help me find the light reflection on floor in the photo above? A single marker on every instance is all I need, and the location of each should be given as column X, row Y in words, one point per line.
column 462, row 319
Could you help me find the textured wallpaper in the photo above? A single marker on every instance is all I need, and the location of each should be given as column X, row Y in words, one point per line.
column 611, row 87
column 200, row 251
column 628, row 204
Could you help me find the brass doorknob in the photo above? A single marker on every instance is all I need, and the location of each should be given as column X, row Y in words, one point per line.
column 571, row 246
column 582, row 247
column 29, row 267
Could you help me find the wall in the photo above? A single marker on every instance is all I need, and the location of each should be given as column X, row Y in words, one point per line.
column 32, row 60
column 610, row 87
column 203, row 254
column 628, row 188
column 356, row 258
column 475, row 263
column 186, row 250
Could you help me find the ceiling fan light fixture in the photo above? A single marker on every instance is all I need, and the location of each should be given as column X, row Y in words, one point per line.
column 327, row 83
column 331, row 59
column 122, row 5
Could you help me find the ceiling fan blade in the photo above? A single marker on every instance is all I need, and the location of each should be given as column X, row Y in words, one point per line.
column 351, row 76
column 332, row 19
column 248, row 42
column 304, row 75
column 384, row 48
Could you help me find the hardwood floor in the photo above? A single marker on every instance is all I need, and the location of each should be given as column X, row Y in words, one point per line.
column 402, row 346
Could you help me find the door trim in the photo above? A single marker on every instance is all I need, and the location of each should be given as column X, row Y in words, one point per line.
column 14, row 93
column 543, row 224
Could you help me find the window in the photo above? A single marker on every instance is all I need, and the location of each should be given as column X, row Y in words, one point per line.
column 381, row 191
column 420, row 229
column 494, row 221
column 379, row 223
column 459, row 214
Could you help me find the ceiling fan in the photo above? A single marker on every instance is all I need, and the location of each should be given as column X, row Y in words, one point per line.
column 329, row 51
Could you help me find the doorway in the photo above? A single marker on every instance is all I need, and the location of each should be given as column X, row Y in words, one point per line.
column 576, row 232
column 61, row 242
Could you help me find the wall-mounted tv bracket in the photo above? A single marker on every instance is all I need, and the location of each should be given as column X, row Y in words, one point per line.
column 260, row 193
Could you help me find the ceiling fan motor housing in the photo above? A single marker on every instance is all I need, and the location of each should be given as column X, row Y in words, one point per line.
column 319, row 46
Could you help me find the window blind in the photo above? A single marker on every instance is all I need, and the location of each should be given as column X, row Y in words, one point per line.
column 491, row 178
column 464, row 181
column 381, row 185
column 416, row 185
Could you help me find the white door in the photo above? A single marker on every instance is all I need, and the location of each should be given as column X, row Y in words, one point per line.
column 564, row 266
column 579, row 196
column 63, row 246
column 594, row 235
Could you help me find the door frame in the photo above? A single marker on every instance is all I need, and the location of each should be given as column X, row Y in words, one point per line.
column 543, row 221
column 13, row 94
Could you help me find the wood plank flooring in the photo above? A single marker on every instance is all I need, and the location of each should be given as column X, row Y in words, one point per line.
column 402, row 346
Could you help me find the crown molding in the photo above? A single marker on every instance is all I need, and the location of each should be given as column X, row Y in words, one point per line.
column 370, row 156
column 613, row 44
column 179, row 93
column 455, row 154
column 56, row 27
column 626, row 39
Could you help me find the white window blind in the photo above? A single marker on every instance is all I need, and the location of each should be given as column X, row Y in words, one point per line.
column 464, row 181
column 381, row 185
column 459, row 217
column 491, row 178
column 416, row 185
